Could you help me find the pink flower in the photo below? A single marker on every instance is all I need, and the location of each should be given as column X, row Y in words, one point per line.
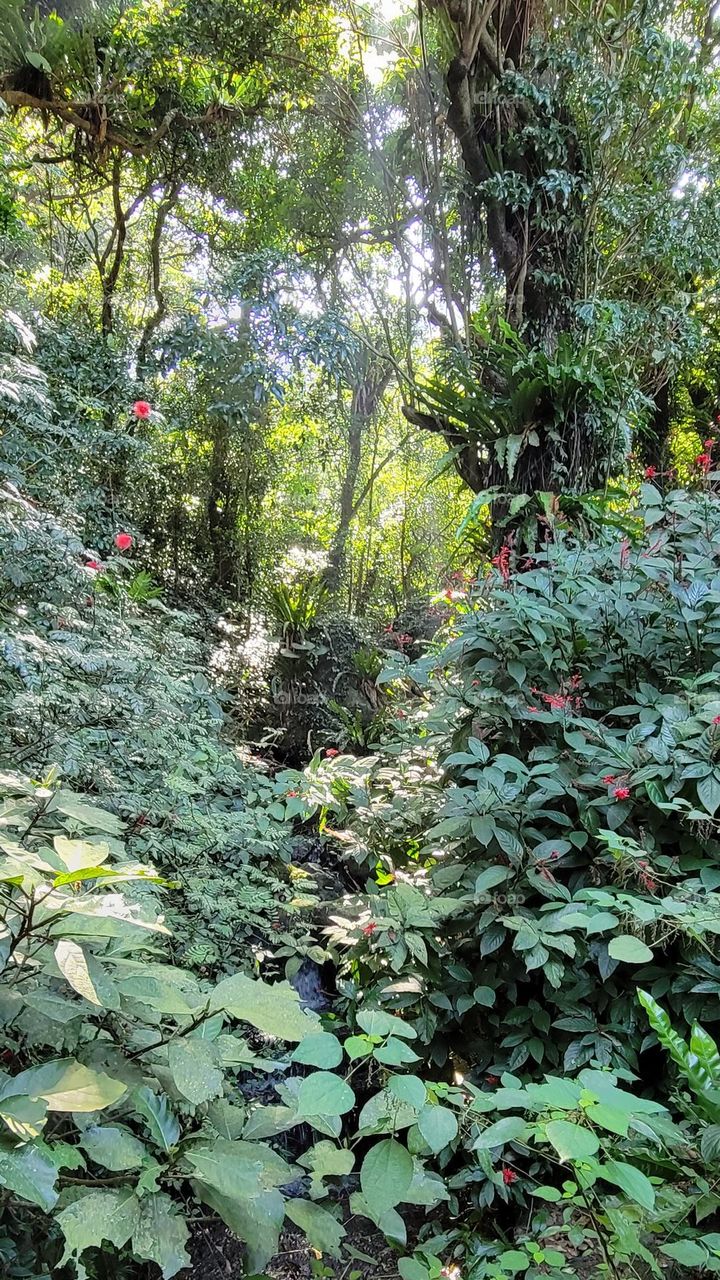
column 708, row 444
column 621, row 793
column 142, row 409
column 608, row 778
column 94, row 565
column 123, row 541
column 369, row 928
column 705, row 461
column 492, row 1079
column 509, row 1176
column 331, row 752
column 290, row 795
column 533, row 709
column 650, row 473
column 716, row 719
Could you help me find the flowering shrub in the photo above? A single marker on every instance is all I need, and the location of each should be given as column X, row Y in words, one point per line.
column 557, row 847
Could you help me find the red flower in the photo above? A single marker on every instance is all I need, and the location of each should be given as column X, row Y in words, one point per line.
column 94, row 565
column 502, row 562
column 508, row 1176
column 401, row 715
column 716, row 719
column 608, row 778
column 533, row 709
column 289, row 795
column 705, row 461
column 332, row 751
column 650, row 473
column 369, row 928
column 621, row 793
column 708, row 444
column 142, row 409
column 123, row 541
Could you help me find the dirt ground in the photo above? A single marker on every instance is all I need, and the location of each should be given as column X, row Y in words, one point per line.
column 218, row 1255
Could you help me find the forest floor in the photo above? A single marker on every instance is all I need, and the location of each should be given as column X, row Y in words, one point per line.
column 218, row 1255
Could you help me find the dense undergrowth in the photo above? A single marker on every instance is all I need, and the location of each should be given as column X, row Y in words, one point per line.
column 536, row 838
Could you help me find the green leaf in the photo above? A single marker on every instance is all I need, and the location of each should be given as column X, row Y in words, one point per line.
column 256, row 1219
column 97, row 1216
column 73, row 965
column 155, row 1110
column 708, row 790
column 438, row 1126
column 710, row 1144
column 320, row 1050
column 113, row 1148
column 66, row 1085
column 408, row 1089
column 386, row 1175
column 161, row 1234
column 323, row 1231
column 509, row 1129
column 628, row 948
column 238, row 1169
column 193, row 1069
column 86, row 814
column 24, row 1117
column 375, row 1022
column 394, row 1053
column 324, row 1094
column 30, row 1175
column 551, row 1194
column 686, row 1252
column 485, row 996
column 571, row 1141
column 272, row 1009
column 631, row 1180
column 78, row 855
column 358, row 1047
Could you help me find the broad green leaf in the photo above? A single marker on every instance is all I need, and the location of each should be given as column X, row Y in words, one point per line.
column 324, row 1094
column 323, row 1231
column 86, row 814
column 237, row 1169
column 272, row 1009
column 438, row 1126
column 113, row 1148
column 386, row 1175
column 631, row 1180
column 394, row 1053
column 77, row 855
column 571, row 1141
column 485, row 996
column 358, row 1047
column 408, row 1089
column 155, row 1110
column 255, row 1219
column 72, row 963
column 509, row 1129
column 686, row 1252
column 161, row 1234
column 193, row 1069
column 708, row 790
column 628, row 948
column 97, row 1216
column 375, row 1022
column 24, row 1117
column 66, row 1085
column 30, row 1175
column 319, row 1050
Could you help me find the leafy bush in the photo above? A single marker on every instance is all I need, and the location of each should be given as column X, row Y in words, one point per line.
column 547, row 844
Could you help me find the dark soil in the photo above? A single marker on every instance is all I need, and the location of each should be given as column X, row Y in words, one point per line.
column 218, row 1255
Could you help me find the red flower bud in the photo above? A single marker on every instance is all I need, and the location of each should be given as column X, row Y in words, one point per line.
column 142, row 409
column 123, row 541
